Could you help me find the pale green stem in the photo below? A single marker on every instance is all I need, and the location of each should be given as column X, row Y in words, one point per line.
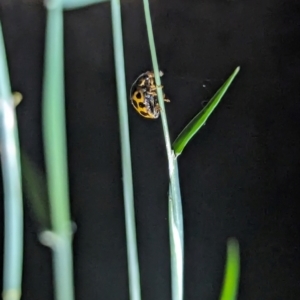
column 175, row 203
column 132, row 254
column 176, row 238
column 54, row 126
column 11, row 170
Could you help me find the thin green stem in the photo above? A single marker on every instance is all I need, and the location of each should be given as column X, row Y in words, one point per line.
column 175, row 203
column 176, row 238
column 158, row 83
column 54, row 126
column 132, row 254
column 11, row 170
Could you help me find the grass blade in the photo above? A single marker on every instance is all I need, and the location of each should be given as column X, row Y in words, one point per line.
column 199, row 120
column 132, row 255
column 232, row 271
column 36, row 191
column 13, row 202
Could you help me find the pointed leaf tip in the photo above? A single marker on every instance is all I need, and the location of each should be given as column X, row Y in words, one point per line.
column 200, row 119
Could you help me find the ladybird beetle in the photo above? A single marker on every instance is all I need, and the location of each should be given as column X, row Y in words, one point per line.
column 143, row 96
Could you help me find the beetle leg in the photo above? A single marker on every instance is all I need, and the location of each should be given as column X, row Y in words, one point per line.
column 142, row 82
column 157, row 106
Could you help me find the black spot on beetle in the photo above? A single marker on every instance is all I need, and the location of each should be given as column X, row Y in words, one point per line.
column 134, row 103
column 143, row 113
column 138, row 95
column 142, row 105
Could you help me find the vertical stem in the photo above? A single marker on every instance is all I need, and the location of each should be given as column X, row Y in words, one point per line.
column 13, row 202
column 132, row 255
column 158, row 83
column 175, row 203
column 176, row 238
column 56, row 153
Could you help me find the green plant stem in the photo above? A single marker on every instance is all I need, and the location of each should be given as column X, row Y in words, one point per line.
column 132, row 254
column 176, row 238
column 175, row 203
column 11, row 170
column 158, row 83
column 56, row 154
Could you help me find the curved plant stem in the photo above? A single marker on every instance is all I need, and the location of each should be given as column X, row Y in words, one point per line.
column 13, row 202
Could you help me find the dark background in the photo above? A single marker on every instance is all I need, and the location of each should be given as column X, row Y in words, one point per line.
column 239, row 175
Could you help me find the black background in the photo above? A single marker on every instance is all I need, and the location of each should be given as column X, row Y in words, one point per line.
column 238, row 175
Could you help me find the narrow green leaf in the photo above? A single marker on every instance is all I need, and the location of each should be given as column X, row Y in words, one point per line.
column 199, row 120
column 232, row 271
column 36, row 190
